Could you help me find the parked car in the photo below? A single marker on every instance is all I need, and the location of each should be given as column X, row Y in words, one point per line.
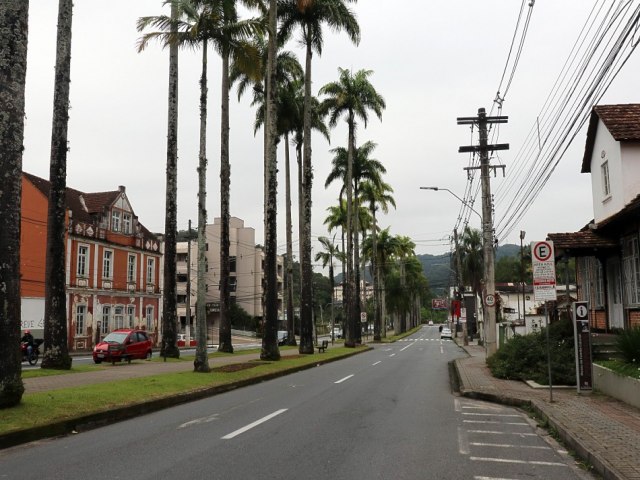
column 283, row 337
column 337, row 332
column 123, row 344
column 446, row 333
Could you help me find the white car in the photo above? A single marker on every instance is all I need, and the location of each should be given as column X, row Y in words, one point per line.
column 337, row 332
column 446, row 333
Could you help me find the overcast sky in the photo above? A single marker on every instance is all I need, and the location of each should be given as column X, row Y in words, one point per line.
column 432, row 62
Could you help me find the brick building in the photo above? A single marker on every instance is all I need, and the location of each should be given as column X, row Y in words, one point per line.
column 113, row 264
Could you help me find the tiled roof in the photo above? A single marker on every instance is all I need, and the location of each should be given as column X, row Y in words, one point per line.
column 622, row 121
column 584, row 240
column 96, row 202
column 83, row 205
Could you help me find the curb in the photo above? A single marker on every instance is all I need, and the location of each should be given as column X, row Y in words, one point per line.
column 100, row 419
column 599, row 465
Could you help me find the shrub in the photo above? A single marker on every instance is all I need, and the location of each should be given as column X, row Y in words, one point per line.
column 525, row 356
column 628, row 343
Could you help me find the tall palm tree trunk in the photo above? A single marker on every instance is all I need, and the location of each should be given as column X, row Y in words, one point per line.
column 291, row 337
column 201, row 362
column 306, row 299
column 14, row 19
column 169, row 307
column 350, row 340
column 356, row 258
column 224, row 342
column 375, row 278
column 56, row 347
column 270, row 337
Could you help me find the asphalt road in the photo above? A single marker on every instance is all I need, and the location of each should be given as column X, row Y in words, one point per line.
column 385, row 414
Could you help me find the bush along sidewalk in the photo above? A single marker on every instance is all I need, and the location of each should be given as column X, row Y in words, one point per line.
column 524, row 357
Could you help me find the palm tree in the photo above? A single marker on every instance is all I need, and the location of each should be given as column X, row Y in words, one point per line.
column 353, row 96
column 310, row 15
column 364, row 168
column 385, row 248
column 326, row 257
column 337, row 218
column 270, row 338
column 472, row 259
column 405, row 248
column 14, row 15
column 376, row 195
column 169, row 347
column 192, row 31
column 56, row 349
column 230, row 37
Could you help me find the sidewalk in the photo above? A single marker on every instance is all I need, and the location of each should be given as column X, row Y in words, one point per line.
column 599, row 429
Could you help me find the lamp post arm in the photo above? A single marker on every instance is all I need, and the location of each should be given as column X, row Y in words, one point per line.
column 466, row 204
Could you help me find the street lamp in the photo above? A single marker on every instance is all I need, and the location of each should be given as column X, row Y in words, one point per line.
column 466, row 204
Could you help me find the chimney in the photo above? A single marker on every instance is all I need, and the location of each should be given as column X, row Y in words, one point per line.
column 122, row 188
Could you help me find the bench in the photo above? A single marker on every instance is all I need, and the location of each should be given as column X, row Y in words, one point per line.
column 323, row 346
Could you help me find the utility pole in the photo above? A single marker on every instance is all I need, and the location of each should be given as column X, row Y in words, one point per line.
column 188, row 302
column 483, row 150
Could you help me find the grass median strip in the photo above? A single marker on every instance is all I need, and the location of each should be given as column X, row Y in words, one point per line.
column 43, row 408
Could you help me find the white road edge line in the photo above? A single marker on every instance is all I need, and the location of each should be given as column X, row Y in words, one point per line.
column 374, row 364
column 254, row 424
column 344, row 379
column 522, row 462
column 504, row 445
column 491, row 478
column 503, row 433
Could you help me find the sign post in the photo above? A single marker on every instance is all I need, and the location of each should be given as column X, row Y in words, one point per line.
column 582, row 342
column 543, row 263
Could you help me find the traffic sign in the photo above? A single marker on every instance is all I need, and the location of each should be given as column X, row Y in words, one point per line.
column 490, row 300
column 544, row 271
column 582, row 344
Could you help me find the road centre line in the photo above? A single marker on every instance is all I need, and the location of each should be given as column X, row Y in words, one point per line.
column 374, row 364
column 403, row 349
column 254, row 424
column 392, row 355
column 522, row 462
column 344, row 379
column 463, row 442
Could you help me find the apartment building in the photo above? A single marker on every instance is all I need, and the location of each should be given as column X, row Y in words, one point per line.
column 113, row 264
column 246, row 275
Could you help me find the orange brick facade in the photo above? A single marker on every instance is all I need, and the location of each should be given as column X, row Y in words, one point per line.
column 112, row 264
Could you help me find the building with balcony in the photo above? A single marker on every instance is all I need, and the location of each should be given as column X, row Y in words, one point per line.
column 113, row 264
column 246, row 275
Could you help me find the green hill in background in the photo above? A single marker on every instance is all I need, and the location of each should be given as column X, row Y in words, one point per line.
column 437, row 268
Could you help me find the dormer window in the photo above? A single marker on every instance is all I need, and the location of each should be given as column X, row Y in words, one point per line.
column 115, row 220
column 126, row 224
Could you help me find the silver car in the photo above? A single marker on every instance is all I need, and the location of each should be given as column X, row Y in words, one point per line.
column 446, row 333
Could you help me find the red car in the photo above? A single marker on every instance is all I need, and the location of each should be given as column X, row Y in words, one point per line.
column 123, row 344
